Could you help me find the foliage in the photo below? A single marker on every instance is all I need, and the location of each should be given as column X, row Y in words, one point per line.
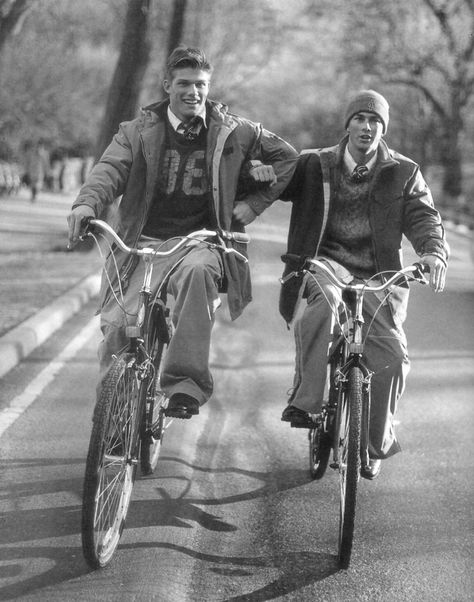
column 58, row 69
column 290, row 65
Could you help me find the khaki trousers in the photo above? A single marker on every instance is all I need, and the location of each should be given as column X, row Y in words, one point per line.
column 194, row 287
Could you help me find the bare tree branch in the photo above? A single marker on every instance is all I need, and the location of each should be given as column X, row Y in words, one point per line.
column 12, row 15
column 442, row 18
column 415, row 83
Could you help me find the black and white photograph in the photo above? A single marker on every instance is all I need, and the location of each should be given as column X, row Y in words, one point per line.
column 237, row 300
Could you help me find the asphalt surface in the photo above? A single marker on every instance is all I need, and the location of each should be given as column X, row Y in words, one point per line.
column 231, row 513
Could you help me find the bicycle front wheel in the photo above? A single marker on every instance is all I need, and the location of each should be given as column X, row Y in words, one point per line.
column 348, row 441
column 111, row 462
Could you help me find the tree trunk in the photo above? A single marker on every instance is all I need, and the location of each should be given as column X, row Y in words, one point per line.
column 452, row 156
column 177, row 25
column 126, row 84
column 12, row 18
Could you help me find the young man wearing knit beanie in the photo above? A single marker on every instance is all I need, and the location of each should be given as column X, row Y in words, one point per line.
column 352, row 203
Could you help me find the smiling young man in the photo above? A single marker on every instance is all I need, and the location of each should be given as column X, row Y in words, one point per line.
column 177, row 168
column 352, row 203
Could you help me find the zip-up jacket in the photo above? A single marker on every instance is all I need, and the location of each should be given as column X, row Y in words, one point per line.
column 400, row 203
column 129, row 169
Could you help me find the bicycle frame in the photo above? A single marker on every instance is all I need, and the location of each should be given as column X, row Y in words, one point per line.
column 352, row 335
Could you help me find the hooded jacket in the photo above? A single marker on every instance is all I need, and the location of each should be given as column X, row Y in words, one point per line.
column 400, row 203
column 129, row 169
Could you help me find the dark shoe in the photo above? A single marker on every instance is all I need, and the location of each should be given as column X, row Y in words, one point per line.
column 298, row 418
column 182, row 405
column 372, row 470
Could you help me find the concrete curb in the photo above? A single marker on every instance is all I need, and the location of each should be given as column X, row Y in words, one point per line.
column 19, row 342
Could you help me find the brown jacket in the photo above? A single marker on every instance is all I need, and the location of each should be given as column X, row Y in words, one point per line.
column 400, row 203
column 129, row 168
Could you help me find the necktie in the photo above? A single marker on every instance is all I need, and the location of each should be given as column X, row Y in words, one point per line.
column 192, row 129
column 360, row 172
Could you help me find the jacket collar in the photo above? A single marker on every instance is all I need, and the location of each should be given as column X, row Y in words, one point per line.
column 215, row 111
column 333, row 156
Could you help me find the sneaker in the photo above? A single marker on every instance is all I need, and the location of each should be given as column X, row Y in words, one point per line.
column 298, row 418
column 371, row 470
column 182, row 405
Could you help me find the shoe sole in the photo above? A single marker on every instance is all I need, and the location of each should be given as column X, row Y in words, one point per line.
column 183, row 413
column 301, row 425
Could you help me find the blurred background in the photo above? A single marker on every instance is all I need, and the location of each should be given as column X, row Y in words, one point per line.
column 71, row 71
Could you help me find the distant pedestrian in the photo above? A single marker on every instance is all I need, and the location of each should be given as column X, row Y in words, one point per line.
column 37, row 167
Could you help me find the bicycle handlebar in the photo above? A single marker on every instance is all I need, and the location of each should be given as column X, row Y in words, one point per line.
column 417, row 269
column 239, row 237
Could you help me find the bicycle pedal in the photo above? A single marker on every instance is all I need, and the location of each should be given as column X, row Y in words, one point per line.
column 170, row 413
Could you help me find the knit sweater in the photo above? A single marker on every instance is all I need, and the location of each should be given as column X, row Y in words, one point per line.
column 348, row 236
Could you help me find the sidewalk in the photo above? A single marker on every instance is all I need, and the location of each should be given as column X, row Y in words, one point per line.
column 42, row 284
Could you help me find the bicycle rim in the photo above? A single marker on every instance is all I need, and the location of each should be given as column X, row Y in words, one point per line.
column 111, row 463
column 349, row 423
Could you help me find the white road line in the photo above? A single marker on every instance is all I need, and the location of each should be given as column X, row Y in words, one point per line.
column 22, row 401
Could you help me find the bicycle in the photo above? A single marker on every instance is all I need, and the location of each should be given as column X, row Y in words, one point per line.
column 343, row 424
column 129, row 420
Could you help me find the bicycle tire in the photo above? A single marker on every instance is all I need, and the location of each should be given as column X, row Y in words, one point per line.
column 153, row 426
column 111, row 462
column 319, row 450
column 349, row 426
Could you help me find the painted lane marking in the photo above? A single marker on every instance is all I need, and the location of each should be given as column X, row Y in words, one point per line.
column 22, row 401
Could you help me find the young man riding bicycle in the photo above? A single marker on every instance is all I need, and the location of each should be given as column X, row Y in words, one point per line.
column 352, row 203
column 177, row 168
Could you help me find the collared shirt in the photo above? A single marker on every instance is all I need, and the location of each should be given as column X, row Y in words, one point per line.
column 351, row 164
column 178, row 125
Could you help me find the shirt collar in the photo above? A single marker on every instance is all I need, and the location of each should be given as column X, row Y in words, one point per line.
column 176, row 123
column 350, row 163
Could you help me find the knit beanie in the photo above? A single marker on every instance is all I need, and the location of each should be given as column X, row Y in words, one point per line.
column 368, row 101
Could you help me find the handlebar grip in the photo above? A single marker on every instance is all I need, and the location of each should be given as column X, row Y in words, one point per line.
column 240, row 237
column 422, row 267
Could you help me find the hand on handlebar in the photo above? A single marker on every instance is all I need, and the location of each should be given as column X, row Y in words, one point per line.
column 437, row 268
column 75, row 220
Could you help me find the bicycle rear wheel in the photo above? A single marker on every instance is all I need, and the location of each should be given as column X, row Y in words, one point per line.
column 158, row 336
column 319, row 450
column 348, row 441
column 111, row 462
column 154, row 424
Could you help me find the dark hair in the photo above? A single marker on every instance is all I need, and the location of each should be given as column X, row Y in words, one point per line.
column 183, row 57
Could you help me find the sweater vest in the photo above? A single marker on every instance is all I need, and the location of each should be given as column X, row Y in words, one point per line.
column 348, row 236
column 182, row 200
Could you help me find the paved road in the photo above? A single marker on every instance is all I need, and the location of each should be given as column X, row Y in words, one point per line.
column 230, row 513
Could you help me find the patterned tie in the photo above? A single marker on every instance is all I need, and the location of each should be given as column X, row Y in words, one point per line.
column 192, row 129
column 360, row 172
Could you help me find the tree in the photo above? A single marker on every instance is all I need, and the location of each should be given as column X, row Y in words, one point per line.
column 177, row 25
column 12, row 16
column 131, row 66
column 427, row 45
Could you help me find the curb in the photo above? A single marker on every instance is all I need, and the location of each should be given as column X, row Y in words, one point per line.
column 19, row 342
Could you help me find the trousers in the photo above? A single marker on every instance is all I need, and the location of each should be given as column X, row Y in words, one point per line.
column 385, row 354
column 194, row 286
